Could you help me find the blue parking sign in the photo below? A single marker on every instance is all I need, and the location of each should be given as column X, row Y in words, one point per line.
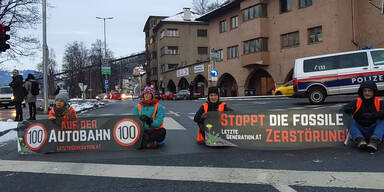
column 106, row 84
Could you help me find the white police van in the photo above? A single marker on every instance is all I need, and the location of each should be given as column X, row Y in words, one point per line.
column 335, row 74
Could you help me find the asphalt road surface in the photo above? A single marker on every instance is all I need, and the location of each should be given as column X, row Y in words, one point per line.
column 183, row 165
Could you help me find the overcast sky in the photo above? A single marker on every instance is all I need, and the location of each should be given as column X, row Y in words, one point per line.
column 75, row 20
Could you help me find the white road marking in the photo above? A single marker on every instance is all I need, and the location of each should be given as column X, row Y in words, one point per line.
column 171, row 124
column 191, row 117
column 297, row 108
column 283, row 188
column 284, row 178
column 174, row 113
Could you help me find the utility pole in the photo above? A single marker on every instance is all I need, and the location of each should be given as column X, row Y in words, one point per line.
column 105, row 44
column 45, row 56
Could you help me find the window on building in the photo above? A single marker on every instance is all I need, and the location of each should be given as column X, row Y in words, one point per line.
column 172, row 66
column 305, row 3
column 234, row 22
column 154, row 54
column 255, row 45
column 290, row 40
column 233, row 52
column 163, row 68
column 285, row 6
column 202, row 50
column 221, row 54
column 172, row 33
column 223, row 26
column 202, row 33
column 162, row 51
column 173, row 50
column 315, row 35
column 254, row 12
column 162, row 34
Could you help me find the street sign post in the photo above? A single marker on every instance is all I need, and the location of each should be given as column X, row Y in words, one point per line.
column 215, row 55
column 83, row 88
column 106, row 84
column 105, row 70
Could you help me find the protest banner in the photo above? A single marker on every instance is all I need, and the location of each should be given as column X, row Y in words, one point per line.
column 86, row 134
column 279, row 130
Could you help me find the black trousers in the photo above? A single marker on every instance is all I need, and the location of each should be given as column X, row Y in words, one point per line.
column 154, row 135
column 32, row 109
column 19, row 111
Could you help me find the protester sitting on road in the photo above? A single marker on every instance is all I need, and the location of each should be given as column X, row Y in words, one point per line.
column 152, row 115
column 62, row 110
column 213, row 104
column 367, row 126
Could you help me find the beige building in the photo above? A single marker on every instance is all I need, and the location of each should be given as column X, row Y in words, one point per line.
column 177, row 52
column 259, row 40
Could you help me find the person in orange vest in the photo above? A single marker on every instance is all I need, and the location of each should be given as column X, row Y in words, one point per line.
column 367, row 126
column 213, row 104
column 61, row 110
column 151, row 113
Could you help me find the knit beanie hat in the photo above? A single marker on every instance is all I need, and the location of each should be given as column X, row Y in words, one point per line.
column 62, row 96
column 150, row 90
column 213, row 90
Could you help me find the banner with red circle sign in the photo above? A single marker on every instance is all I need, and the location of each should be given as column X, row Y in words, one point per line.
column 111, row 133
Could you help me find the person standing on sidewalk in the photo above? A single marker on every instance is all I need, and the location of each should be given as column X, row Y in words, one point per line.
column 367, row 126
column 213, row 104
column 31, row 98
column 18, row 93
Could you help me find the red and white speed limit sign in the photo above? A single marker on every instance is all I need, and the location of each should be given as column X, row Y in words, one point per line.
column 35, row 136
column 126, row 132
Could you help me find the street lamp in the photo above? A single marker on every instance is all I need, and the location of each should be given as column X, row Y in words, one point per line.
column 105, row 43
column 105, row 34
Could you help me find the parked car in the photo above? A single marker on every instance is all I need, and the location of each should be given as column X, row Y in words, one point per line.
column 126, row 96
column 168, row 95
column 114, row 95
column 182, row 94
column 6, row 96
column 286, row 89
column 102, row 96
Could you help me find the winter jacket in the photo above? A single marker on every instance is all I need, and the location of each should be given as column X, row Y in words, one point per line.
column 211, row 107
column 17, row 87
column 68, row 114
column 148, row 111
column 30, row 97
column 367, row 114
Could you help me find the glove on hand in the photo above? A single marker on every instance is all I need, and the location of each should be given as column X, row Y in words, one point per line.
column 146, row 119
column 203, row 117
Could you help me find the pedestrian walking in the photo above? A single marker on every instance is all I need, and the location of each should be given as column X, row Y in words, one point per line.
column 30, row 85
column 151, row 113
column 213, row 104
column 18, row 93
column 367, row 126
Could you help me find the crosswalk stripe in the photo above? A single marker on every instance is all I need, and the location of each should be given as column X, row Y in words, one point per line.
column 191, row 117
column 171, row 124
column 360, row 180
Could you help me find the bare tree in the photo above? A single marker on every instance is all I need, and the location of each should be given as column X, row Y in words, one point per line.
column 20, row 15
column 203, row 6
column 74, row 62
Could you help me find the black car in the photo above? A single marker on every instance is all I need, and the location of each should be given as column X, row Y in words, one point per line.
column 182, row 94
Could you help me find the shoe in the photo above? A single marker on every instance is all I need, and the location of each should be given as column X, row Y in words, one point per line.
column 373, row 143
column 361, row 143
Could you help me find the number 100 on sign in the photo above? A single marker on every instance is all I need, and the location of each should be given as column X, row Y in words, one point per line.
column 126, row 132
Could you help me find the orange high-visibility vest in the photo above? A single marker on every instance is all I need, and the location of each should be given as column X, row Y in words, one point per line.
column 200, row 137
column 359, row 102
column 154, row 114
column 72, row 113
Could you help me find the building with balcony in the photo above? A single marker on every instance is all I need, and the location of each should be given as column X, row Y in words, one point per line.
column 259, row 40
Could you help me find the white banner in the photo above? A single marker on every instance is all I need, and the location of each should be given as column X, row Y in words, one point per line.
column 182, row 72
column 199, row 68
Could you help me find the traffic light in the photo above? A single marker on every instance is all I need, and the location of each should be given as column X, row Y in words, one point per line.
column 4, row 37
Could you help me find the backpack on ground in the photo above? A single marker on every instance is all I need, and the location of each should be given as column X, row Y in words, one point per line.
column 35, row 90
